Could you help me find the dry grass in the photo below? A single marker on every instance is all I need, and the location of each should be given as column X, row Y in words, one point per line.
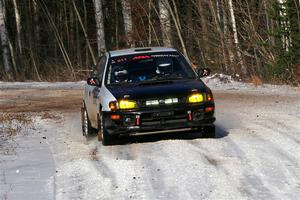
column 12, row 123
column 19, row 108
column 48, row 115
column 256, row 80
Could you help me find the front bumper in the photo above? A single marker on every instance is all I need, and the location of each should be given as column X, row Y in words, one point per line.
column 159, row 119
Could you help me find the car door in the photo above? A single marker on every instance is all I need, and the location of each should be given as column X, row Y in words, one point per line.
column 95, row 103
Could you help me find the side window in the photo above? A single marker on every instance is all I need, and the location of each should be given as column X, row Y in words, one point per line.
column 100, row 67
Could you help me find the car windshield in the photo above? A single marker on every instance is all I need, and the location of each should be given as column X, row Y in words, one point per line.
column 140, row 68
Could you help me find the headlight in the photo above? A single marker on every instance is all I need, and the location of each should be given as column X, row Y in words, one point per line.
column 127, row 104
column 195, row 98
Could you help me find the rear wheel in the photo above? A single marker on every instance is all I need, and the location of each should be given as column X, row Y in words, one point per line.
column 87, row 129
column 209, row 131
column 103, row 134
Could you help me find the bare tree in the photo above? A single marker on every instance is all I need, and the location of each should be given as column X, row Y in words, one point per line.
column 149, row 23
column 58, row 38
column 217, row 26
column 177, row 25
column 164, row 17
column 42, row 38
column 4, row 38
column 84, row 32
column 18, row 26
column 284, row 25
column 235, row 36
column 100, row 27
column 126, row 11
column 36, row 21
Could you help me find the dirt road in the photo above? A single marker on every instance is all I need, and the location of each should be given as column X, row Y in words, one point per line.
column 255, row 155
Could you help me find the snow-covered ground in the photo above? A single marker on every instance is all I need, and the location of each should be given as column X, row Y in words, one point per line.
column 255, row 155
column 223, row 82
column 216, row 82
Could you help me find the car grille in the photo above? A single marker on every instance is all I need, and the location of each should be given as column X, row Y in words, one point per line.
column 161, row 102
column 163, row 117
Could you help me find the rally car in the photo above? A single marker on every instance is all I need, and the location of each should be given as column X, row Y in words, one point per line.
column 140, row 90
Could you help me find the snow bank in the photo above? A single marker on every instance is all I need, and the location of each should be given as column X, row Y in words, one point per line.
column 226, row 83
column 215, row 82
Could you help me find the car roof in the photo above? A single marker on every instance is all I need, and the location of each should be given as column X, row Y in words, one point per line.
column 133, row 51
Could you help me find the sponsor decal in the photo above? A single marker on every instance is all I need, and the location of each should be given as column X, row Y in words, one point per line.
column 165, row 55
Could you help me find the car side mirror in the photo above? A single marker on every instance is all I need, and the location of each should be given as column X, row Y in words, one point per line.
column 202, row 72
column 93, row 81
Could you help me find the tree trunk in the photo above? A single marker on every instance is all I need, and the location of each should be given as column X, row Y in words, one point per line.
column 28, row 27
column 85, row 25
column 58, row 38
column 284, row 25
column 236, row 39
column 149, row 24
column 218, row 11
column 18, row 26
column 202, row 20
column 117, row 26
column 100, row 27
column 268, row 22
column 177, row 25
column 4, row 39
column 176, row 14
column 164, row 17
column 219, row 30
column 126, row 11
column 84, row 32
column 36, row 30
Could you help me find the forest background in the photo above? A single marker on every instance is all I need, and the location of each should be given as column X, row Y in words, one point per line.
column 62, row 40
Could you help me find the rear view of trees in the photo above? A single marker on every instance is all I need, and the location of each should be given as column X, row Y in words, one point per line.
column 49, row 40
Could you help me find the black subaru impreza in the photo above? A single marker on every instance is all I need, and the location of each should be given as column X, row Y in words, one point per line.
column 142, row 90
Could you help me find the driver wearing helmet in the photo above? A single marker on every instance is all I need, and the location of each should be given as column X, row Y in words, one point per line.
column 121, row 75
column 164, row 67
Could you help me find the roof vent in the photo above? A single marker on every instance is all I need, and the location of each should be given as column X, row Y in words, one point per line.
column 142, row 49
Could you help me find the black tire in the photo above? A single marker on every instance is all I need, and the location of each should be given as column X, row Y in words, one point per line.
column 209, row 131
column 87, row 129
column 99, row 134
column 103, row 134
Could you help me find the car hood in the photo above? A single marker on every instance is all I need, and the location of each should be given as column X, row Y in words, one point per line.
column 158, row 89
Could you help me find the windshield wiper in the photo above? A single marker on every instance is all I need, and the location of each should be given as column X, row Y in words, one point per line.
column 175, row 78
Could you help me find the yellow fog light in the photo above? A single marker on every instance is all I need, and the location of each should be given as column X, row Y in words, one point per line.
column 195, row 98
column 127, row 104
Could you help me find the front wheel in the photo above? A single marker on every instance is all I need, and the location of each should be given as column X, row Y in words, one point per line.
column 103, row 134
column 87, row 129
